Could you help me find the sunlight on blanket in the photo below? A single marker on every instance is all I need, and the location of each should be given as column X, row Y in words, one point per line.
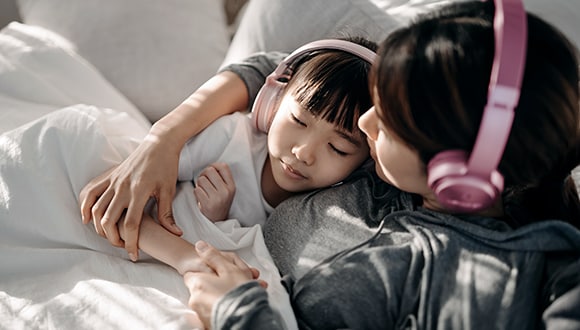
column 93, row 304
column 104, row 295
column 10, row 150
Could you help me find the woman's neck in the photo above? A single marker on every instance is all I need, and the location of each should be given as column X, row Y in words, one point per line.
column 272, row 192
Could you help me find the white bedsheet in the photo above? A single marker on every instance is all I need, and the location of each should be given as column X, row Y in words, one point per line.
column 55, row 272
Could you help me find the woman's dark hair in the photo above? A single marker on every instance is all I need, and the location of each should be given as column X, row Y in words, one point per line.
column 433, row 78
column 333, row 85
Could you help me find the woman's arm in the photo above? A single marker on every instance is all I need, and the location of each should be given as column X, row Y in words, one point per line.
column 230, row 295
column 151, row 170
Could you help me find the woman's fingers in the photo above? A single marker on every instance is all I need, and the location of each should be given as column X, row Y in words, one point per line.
column 91, row 193
column 98, row 210
column 205, row 289
column 165, row 209
column 131, row 224
column 223, row 262
column 212, row 257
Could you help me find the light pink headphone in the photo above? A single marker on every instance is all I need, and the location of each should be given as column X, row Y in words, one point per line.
column 264, row 107
column 468, row 183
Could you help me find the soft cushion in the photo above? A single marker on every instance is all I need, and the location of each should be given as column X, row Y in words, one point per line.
column 563, row 14
column 155, row 52
column 285, row 25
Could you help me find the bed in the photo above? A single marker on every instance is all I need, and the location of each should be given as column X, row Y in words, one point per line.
column 80, row 84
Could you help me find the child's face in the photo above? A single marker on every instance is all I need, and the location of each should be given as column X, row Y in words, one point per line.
column 307, row 152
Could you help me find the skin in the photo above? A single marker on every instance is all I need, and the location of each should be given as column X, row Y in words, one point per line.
column 396, row 163
column 207, row 288
column 215, row 190
column 302, row 149
column 151, row 170
column 399, row 165
column 405, row 171
column 307, row 153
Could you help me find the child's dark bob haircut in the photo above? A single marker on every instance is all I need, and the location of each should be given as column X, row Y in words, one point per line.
column 333, row 85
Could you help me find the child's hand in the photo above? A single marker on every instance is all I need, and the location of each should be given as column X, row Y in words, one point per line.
column 205, row 289
column 215, row 189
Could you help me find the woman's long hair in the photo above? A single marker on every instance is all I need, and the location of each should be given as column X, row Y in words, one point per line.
column 432, row 81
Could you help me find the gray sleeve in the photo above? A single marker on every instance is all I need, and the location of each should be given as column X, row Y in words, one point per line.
column 254, row 70
column 563, row 311
column 246, row 307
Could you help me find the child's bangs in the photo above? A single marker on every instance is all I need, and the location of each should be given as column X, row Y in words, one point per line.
column 333, row 87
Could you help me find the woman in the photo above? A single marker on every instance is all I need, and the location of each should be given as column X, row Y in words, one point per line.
column 431, row 264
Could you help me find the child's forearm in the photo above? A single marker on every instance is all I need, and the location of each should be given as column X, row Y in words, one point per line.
column 168, row 248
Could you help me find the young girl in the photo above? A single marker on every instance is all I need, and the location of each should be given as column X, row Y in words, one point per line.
column 434, row 263
column 310, row 108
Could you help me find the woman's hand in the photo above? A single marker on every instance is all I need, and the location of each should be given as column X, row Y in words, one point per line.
column 206, row 289
column 214, row 190
column 150, row 171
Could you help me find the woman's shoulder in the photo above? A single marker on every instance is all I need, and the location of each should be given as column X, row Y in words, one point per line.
column 330, row 219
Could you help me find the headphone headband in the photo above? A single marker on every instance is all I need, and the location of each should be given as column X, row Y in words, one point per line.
column 264, row 107
column 504, row 87
column 346, row 46
column 470, row 183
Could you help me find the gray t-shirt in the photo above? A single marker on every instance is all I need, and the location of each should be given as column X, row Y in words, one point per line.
column 363, row 255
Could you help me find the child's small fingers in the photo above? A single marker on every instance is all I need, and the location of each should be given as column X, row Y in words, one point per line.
column 225, row 173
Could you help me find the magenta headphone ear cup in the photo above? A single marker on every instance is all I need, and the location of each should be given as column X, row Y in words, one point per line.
column 266, row 103
column 457, row 190
column 471, row 183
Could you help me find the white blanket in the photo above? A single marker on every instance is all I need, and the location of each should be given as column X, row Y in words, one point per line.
column 55, row 272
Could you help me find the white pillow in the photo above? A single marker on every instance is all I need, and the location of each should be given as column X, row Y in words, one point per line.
column 285, row 25
column 155, row 52
column 563, row 14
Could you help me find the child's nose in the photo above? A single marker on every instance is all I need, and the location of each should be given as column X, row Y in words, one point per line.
column 304, row 152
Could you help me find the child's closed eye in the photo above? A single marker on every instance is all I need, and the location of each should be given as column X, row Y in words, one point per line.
column 297, row 120
column 337, row 151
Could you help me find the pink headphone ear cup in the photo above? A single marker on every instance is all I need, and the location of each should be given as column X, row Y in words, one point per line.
column 266, row 102
column 456, row 190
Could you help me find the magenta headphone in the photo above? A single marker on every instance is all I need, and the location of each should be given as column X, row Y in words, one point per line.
column 468, row 183
column 264, row 107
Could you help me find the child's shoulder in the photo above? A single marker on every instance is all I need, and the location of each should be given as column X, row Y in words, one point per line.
column 232, row 124
column 232, row 120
